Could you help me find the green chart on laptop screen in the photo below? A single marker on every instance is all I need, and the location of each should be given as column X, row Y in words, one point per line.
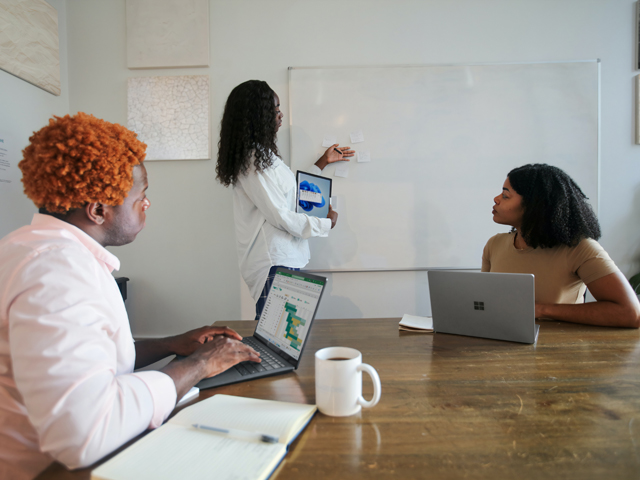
column 288, row 311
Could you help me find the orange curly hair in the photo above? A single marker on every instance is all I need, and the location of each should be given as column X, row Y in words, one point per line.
column 80, row 159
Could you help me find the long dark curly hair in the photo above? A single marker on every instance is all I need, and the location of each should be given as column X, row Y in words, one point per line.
column 556, row 211
column 248, row 129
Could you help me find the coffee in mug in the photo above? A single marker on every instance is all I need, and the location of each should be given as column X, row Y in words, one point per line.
column 339, row 381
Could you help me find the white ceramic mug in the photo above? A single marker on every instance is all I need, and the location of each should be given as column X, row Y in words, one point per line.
column 339, row 381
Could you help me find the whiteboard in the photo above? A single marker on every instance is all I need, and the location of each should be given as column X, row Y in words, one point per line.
column 441, row 140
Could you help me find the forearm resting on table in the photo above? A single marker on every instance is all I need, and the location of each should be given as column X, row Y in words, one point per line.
column 616, row 305
column 151, row 350
column 185, row 373
column 207, row 351
column 606, row 314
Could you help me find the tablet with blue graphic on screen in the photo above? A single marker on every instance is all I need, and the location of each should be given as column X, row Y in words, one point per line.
column 313, row 194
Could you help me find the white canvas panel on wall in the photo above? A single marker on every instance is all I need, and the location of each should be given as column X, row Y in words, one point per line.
column 171, row 115
column 29, row 42
column 167, row 33
column 638, row 108
column 441, row 140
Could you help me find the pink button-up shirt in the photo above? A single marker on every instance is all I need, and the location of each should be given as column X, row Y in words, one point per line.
column 67, row 387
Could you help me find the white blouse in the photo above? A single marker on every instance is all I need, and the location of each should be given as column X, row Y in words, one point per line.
column 268, row 230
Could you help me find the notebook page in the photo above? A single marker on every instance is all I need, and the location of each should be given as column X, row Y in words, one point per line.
column 281, row 419
column 413, row 321
column 173, row 452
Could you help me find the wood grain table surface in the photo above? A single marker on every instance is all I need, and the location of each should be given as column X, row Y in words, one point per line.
column 460, row 407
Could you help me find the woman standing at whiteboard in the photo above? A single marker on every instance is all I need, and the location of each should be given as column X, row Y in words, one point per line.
column 554, row 236
column 269, row 232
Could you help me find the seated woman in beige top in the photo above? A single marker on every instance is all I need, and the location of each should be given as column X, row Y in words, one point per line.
column 554, row 236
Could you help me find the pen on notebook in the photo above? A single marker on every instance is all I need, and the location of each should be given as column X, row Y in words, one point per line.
column 234, row 432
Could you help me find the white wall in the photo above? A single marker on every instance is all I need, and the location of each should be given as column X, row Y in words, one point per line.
column 183, row 267
column 24, row 109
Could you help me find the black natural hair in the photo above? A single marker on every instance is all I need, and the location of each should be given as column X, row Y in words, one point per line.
column 248, row 129
column 60, row 216
column 556, row 211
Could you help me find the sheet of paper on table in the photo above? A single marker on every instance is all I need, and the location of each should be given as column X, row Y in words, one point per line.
column 190, row 395
column 413, row 323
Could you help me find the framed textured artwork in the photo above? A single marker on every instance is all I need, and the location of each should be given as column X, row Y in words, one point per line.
column 171, row 115
column 167, row 33
column 29, row 42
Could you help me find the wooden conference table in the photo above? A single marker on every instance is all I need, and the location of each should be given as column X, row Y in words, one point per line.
column 455, row 407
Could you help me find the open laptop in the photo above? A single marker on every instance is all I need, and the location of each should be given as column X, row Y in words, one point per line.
column 282, row 331
column 500, row 306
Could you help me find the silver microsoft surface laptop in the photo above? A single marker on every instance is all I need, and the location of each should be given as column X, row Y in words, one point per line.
column 489, row 305
column 282, row 331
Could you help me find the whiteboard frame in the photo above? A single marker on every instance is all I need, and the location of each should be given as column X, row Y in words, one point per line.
column 422, row 269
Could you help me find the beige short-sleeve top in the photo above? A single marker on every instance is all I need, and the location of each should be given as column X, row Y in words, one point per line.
column 561, row 273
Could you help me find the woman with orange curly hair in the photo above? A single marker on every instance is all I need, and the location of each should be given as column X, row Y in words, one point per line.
column 68, row 390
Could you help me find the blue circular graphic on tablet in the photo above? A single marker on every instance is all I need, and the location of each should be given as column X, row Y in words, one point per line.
column 308, row 206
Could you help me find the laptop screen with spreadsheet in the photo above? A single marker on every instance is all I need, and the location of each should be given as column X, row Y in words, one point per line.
column 289, row 310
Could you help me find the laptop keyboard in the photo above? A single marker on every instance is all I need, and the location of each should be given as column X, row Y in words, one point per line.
column 269, row 361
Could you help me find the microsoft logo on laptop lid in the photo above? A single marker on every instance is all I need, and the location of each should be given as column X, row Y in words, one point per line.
column 478, row 305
